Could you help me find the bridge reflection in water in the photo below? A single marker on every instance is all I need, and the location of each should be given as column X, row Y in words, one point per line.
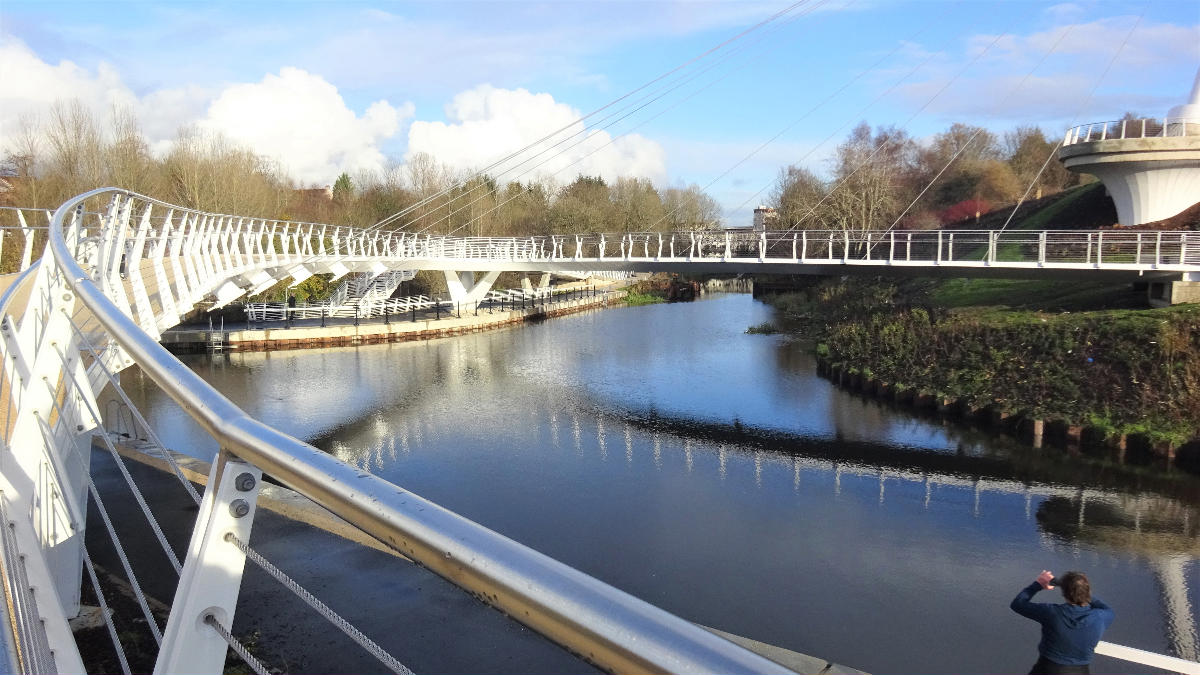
column 666, row 452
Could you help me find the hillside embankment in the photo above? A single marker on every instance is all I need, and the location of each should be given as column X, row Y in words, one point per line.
column 1088, row 364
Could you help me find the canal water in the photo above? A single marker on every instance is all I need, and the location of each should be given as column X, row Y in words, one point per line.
column 712, row 473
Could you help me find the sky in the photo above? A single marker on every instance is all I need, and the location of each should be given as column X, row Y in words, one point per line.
column 717, row 94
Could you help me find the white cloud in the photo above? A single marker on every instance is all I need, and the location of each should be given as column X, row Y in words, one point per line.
column 485, row 124
column 295, row 117
column 302, row 121
column 31, row 86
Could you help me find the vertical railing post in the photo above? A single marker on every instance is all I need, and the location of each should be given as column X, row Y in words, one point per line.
column 939, row 248
column 1182, row 248
column 1099, row 248
column 950, row 248
column 1137, row 259
column 1087, row 251
column 991, row 256
column 212, row 572
column 908, row 248
column 1042, row 248
column 892, row 247
column 1158, row 249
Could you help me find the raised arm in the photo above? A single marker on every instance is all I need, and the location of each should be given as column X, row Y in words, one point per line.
column 1023, row 604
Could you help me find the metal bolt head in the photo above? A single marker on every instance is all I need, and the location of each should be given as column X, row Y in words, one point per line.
column 244, row 482
column 238, row 508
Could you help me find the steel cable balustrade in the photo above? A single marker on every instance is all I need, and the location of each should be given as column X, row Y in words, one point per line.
column 599, row 623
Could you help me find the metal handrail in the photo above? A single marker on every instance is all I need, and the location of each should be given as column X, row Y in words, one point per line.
column 597, row 622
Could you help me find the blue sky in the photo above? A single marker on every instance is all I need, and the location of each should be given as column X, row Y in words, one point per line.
column 331, row 86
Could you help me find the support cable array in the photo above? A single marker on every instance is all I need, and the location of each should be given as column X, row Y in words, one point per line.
column 551, row 135
column 645, row 102
column 1078, row 112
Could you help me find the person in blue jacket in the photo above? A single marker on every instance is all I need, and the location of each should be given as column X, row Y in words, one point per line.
column 1070, row 630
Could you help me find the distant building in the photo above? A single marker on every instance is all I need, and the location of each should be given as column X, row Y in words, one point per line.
column 318, row 195
column 764, row 217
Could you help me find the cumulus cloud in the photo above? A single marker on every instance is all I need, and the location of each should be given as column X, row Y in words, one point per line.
column 486, row 123
column 294, row 117
column 302, row 121
column 31, row 86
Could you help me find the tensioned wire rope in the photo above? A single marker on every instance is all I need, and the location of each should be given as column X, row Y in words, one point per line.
column 770, row 19
column 888, row 141
column 638, row 104
column 1074, row 118
column 647, row 102
column 1053, row 48
column 668, row 87
column 805, row 116
column 629, row 110
column 792, row 124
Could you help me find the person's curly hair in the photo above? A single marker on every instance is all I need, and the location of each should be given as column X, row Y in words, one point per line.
column 1076, row 588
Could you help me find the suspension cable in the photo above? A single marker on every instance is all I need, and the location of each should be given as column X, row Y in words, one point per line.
column 887, row 141
column 547, row 137
column 1075, row 117
column 1054, row 47
column 614, row 139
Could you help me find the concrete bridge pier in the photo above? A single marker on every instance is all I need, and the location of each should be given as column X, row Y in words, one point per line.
column 1167, row 293
column 465, row 288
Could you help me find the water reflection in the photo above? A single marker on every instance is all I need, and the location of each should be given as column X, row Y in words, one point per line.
column 665, row 451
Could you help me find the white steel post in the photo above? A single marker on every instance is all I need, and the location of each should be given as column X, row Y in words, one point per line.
column 212, row 573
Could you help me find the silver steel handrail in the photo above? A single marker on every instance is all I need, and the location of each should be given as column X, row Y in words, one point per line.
column 599, row 623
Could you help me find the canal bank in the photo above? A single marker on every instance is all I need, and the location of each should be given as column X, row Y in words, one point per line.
column 1083, row 366
column 309, row 334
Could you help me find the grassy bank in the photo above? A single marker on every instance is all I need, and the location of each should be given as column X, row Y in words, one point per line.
column 648, row 291
column 1083, row 353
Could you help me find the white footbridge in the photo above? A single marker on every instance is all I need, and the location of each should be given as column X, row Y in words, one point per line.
column 118, row 269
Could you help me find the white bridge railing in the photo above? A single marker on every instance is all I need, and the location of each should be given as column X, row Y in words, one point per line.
column 1171, row 127
column 119, row 268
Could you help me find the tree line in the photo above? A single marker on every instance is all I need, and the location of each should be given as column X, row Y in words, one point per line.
column 882, row 178
column 69, row 152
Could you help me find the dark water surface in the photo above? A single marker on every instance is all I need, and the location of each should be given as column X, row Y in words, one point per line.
column 712, row 473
